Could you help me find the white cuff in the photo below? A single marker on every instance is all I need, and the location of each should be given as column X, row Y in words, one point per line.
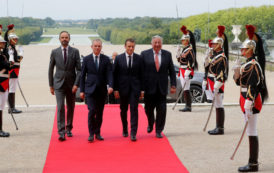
column 218, row 85
column 248, row 104
column 187, row 73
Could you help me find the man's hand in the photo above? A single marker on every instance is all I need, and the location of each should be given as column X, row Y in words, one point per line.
column 248, row 114
column 51, row 90
column 116, row 94
column 110, row 90
column 142, row 95
column 82, row 95
column 172, row 89
column 74, row 89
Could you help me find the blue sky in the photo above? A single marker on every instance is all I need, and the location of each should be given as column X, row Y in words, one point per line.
column 86, row 9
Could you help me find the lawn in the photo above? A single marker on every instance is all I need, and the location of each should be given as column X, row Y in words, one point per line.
column 71, row 30
column 104, row 41
column 41, row 40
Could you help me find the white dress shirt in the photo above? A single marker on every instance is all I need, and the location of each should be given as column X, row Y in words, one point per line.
column 67, row 48
column 159, row 57
column 127, row 58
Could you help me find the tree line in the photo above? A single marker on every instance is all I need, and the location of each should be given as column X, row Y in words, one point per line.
column 28, row 29
column 143, row 28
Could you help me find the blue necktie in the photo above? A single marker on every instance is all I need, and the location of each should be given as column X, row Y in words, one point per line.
column 96, row 62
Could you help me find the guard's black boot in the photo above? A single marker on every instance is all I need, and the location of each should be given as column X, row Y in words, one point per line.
column 11, row 100
column 220, row 119
column 252, row 165
column 188, row 101
column 2, row 133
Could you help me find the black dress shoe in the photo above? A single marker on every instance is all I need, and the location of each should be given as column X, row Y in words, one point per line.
column 62, row 137
column 159, row 135
column 133, row 137
column 91, row 138
column 4, row 134
column 69, row 134
column 186, row 109
column 99, row 137
column 216, row 131
column 149, row 129
column 14, row 111
column 250, row 167
column 125, row 134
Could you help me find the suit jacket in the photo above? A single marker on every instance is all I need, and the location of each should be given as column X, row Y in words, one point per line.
column 91, row 78
column 69, row 73
column 128, row 80
column 154, row 79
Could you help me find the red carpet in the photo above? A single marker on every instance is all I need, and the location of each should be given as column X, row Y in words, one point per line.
column 115, row 154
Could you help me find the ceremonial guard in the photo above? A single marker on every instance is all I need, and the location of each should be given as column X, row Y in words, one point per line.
column 216, row 75
column 251, row 78
column 14, row 57
column 4, row 82
column 188, row 63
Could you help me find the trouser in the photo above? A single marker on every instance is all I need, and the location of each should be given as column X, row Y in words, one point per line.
column 95, row 103
column 131, row 99
column 157, row 101
column 62, row 94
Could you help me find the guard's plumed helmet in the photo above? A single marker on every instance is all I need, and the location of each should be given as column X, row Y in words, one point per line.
column 2, row 40
column 11, row 33
column 220, row 36
column 249, row 43
column 185, row 32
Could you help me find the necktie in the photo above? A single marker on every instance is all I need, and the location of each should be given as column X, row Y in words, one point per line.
column 157, row 61
column 129, row 62
column 96, row 62
column 65, row 55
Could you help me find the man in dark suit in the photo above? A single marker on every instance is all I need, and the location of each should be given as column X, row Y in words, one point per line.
column 65, row 82
column 128, row 84
column 158, row 65
column 96, row 75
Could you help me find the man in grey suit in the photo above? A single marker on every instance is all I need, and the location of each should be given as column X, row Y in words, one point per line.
column 65, row 82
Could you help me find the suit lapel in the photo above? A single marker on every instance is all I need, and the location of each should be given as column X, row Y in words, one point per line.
column 100, row 62
column 152, row 59
column 124, row 60
column 69, row 56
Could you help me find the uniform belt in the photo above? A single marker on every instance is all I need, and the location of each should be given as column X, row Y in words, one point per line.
column 243, row 89
column 16, row 63
column 4, row 75
column 211, row 75
column 183, row 66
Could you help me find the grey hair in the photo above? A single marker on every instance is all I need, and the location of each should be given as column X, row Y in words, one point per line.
column 97, row 40
column 157, row 36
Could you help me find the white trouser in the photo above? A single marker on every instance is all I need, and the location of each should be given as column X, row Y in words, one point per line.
column 218, row 103
column 184, row 82
column 251, row 129
column 13, row 85
column 3, row 99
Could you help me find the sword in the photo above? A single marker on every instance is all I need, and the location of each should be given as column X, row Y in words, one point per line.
column 21, row 91
column 180, row 95
column 12, row 117
column 210, row 112
column 240, row 141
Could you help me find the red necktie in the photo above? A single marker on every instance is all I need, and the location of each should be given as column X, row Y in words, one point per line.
column 65, row 55
column 157, row 62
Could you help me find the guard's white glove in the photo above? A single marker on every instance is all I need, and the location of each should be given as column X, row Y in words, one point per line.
column 20, row 51
column 187, row 73
column 248, row 114
column 178, row 54
column 217, row 86
column 204, row 85
column 206, row 60
column 11, row 55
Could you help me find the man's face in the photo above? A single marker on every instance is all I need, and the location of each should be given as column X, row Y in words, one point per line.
column 2, row 45
column 246, row 52
column 185, row 42
column 64, row 39
column 130, row 46
column 114, row 54
column 13, row 41
column 96, row 47
column 156, row 44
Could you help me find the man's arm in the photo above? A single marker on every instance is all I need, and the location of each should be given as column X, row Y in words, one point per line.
column 51, row 68
column 83, row 76
column 172, row 73
column 77, row 68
